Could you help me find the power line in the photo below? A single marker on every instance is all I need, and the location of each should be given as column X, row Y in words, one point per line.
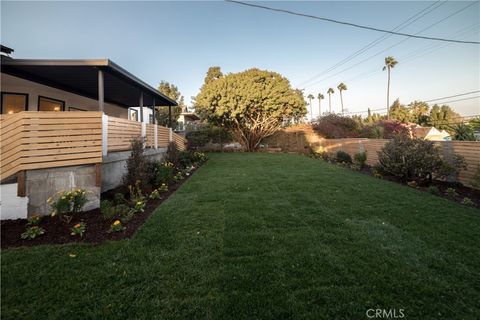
column 392, row 46
column 401, row 26
column 350, row 24
column 445, row 102
column 457, row 95
column 417, row 53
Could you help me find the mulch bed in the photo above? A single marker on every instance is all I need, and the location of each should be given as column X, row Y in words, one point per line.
column 57, row 231
column 463, row 191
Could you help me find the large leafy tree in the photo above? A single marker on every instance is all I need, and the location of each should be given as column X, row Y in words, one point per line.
column 442, row 117
column 341, row 87
column 399, row 112
column 390, row 63
column 173, row 93
column 253, row 104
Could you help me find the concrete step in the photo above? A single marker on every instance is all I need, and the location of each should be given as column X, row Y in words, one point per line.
column 11, row 206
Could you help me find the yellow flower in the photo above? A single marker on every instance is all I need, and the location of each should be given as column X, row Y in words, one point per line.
column 116, row 223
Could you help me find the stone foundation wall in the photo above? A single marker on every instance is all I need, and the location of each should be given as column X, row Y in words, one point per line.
column 44, row 183
column 113, row 166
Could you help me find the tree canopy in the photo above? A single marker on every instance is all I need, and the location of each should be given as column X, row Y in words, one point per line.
column 253, row 104
column 171, row 91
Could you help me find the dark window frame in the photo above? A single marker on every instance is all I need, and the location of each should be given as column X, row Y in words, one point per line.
column 13, row 93
column 53, row 99
column 136, row 112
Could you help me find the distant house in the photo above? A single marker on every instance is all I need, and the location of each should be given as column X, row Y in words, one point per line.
column 186, row 118
column 430, row 133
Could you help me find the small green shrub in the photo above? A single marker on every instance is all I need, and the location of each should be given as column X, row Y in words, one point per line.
column 107, row 210
column 155, row 195
column 468, row 202
column 433, row 190
column 136, row 165
column 173, row 154
column 160, row 172
column 451, row 192
column 78, row 229
column 67, row 203
column 343, row 157
column 360, row 159
column 415, row 160
column 32, row 232
column 119, row 198
column 476, row 178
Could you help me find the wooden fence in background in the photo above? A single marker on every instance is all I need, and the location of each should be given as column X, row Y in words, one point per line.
column 36, row 140
column 121, row 132
column 470, row 150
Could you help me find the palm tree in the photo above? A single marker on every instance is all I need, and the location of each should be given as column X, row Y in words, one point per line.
column 341, row 87
column 310, row 97
column 320, row 97
column 390, row 62
column 330, row 92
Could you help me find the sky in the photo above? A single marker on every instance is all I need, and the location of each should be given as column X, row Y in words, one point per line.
column 179, row 41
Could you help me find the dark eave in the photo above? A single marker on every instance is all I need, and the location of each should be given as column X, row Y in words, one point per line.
column 81, row 77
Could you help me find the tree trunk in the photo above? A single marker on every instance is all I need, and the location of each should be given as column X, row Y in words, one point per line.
column 388, row 95
column 329, row 103
column 341, row 100
column 319, row 107
column 311, row 110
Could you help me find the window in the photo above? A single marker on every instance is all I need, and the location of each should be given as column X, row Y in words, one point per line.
column 133, row 115
column 14, row 102
column 49, row 104
column 150, row 118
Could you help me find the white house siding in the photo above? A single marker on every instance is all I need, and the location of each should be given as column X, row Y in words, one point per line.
column 18, row 85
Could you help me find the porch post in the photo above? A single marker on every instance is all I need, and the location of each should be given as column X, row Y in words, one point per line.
column 169, row 116
column 100, row 90
column 141, row 107
column 153, row 112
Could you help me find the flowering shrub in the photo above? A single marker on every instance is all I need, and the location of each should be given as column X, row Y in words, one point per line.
column 32, row 232
column 34, row 220
column 116, row 226
column 335, row 126
column 178, row 176
column 139, row 206
column 67, row 203
column 451, row 192
column 163, row 188
column 160, row 172
column 155, row 195
column 78, row 229
column 199, row 157
column 136, row 192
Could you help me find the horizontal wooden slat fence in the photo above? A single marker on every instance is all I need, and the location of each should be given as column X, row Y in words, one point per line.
column 470, row 150
column 179, row 141
column 36, row 140
column 41, row 139
column 121, row 132
column 150, row 138
column 163, row 134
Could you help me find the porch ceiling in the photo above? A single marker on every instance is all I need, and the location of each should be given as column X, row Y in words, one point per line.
column 81, row 77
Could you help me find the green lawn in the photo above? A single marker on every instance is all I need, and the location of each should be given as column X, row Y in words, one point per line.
column 264, row 236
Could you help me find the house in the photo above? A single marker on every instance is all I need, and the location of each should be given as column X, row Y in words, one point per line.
column 65, row 124
column 430, row 133
column 187, row 118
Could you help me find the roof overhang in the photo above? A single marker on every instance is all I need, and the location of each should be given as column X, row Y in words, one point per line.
column 81, row 77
